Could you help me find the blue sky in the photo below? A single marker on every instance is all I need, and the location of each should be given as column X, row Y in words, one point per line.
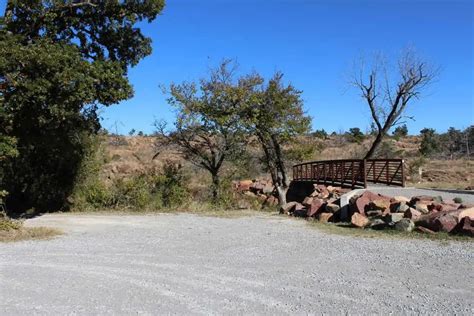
column 314, row 44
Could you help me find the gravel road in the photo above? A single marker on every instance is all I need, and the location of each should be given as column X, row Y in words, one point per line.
column 261, row 264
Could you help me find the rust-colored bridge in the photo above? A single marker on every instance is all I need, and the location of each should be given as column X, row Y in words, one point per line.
column 352, row 172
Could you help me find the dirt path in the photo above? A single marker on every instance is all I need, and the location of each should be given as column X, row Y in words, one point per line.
column 185, row 264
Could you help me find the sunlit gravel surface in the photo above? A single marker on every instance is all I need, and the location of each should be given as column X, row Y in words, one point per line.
column 261, row 264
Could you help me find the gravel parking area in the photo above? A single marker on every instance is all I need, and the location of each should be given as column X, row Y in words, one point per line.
column 261, row 264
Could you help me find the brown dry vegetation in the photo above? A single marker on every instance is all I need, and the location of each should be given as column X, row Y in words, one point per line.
column 13, row 230
column 133, row 155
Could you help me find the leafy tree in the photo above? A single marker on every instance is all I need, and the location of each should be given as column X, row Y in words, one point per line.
column 388, row 97
column 276, row 117
column 400, row 131
column 429, row 142
column 206, row 128
column 355, row 135
column 452, row 141
column 320, row 133
column 468, row 136
column 60, row 60
column 132, row 132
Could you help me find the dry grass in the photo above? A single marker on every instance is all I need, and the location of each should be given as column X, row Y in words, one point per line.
column 347, row 230
column 135, row 155
column 28, row 233
column 203, row 210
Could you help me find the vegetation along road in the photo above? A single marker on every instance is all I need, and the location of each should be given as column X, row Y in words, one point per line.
column 189, row 264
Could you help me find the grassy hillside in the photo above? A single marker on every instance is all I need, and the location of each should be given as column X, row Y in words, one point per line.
column 131, row 155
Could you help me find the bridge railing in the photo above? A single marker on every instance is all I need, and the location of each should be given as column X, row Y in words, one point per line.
column 352, row 172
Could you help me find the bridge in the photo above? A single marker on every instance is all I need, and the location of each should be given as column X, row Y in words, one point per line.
column 352, row 172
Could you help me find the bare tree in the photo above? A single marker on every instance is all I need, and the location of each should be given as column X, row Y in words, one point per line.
column 388, row 93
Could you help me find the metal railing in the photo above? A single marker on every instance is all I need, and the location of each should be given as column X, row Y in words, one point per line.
column 352, row 172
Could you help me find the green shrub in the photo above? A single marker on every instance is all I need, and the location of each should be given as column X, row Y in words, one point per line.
column 355, row 135
column 429, row 142
column 171, row 186
column 457, row 200
column 134, row 192
column 97, row 195
column 400, row 131
column 320, row 133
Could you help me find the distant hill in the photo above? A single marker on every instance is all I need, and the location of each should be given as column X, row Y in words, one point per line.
column 130, row 155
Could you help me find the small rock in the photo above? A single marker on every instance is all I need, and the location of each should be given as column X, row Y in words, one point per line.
column 300, row 211
column 314, row 194
column 244, row 185
column 361, row 204
column 359, row 220
column 332, row 208
column 325, row 217
column 330, row 188
column 412, row 214
column 315, row 207
column 288, row 207
column 439, row 221
column 394, row 217
column 380, row 204
column 446, row 222
column 405, row 225
column 465, row 227
column 378, row 224
column 469, row 212
column 307, row 201
column 422, row 207
column 425, row 230
column 442, row 207
column 399, row 207
column 421, row 198
column 400, row 198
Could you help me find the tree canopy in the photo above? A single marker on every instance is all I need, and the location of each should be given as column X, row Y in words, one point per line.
column 275, row 115
column 207, row 129
column 59, row 62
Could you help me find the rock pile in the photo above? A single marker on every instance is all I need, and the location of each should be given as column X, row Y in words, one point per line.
column 260, row 189
column 323, row 204
column 425, row 214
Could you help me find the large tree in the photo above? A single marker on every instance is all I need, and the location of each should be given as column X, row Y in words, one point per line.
column 207, row 129
column 387, row 92
column 59, row 62
column 275, row 115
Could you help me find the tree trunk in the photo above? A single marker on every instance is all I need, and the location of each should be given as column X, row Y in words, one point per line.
column 281, row 195
column 215, row 186
column 375, row 144
column 279, row 161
